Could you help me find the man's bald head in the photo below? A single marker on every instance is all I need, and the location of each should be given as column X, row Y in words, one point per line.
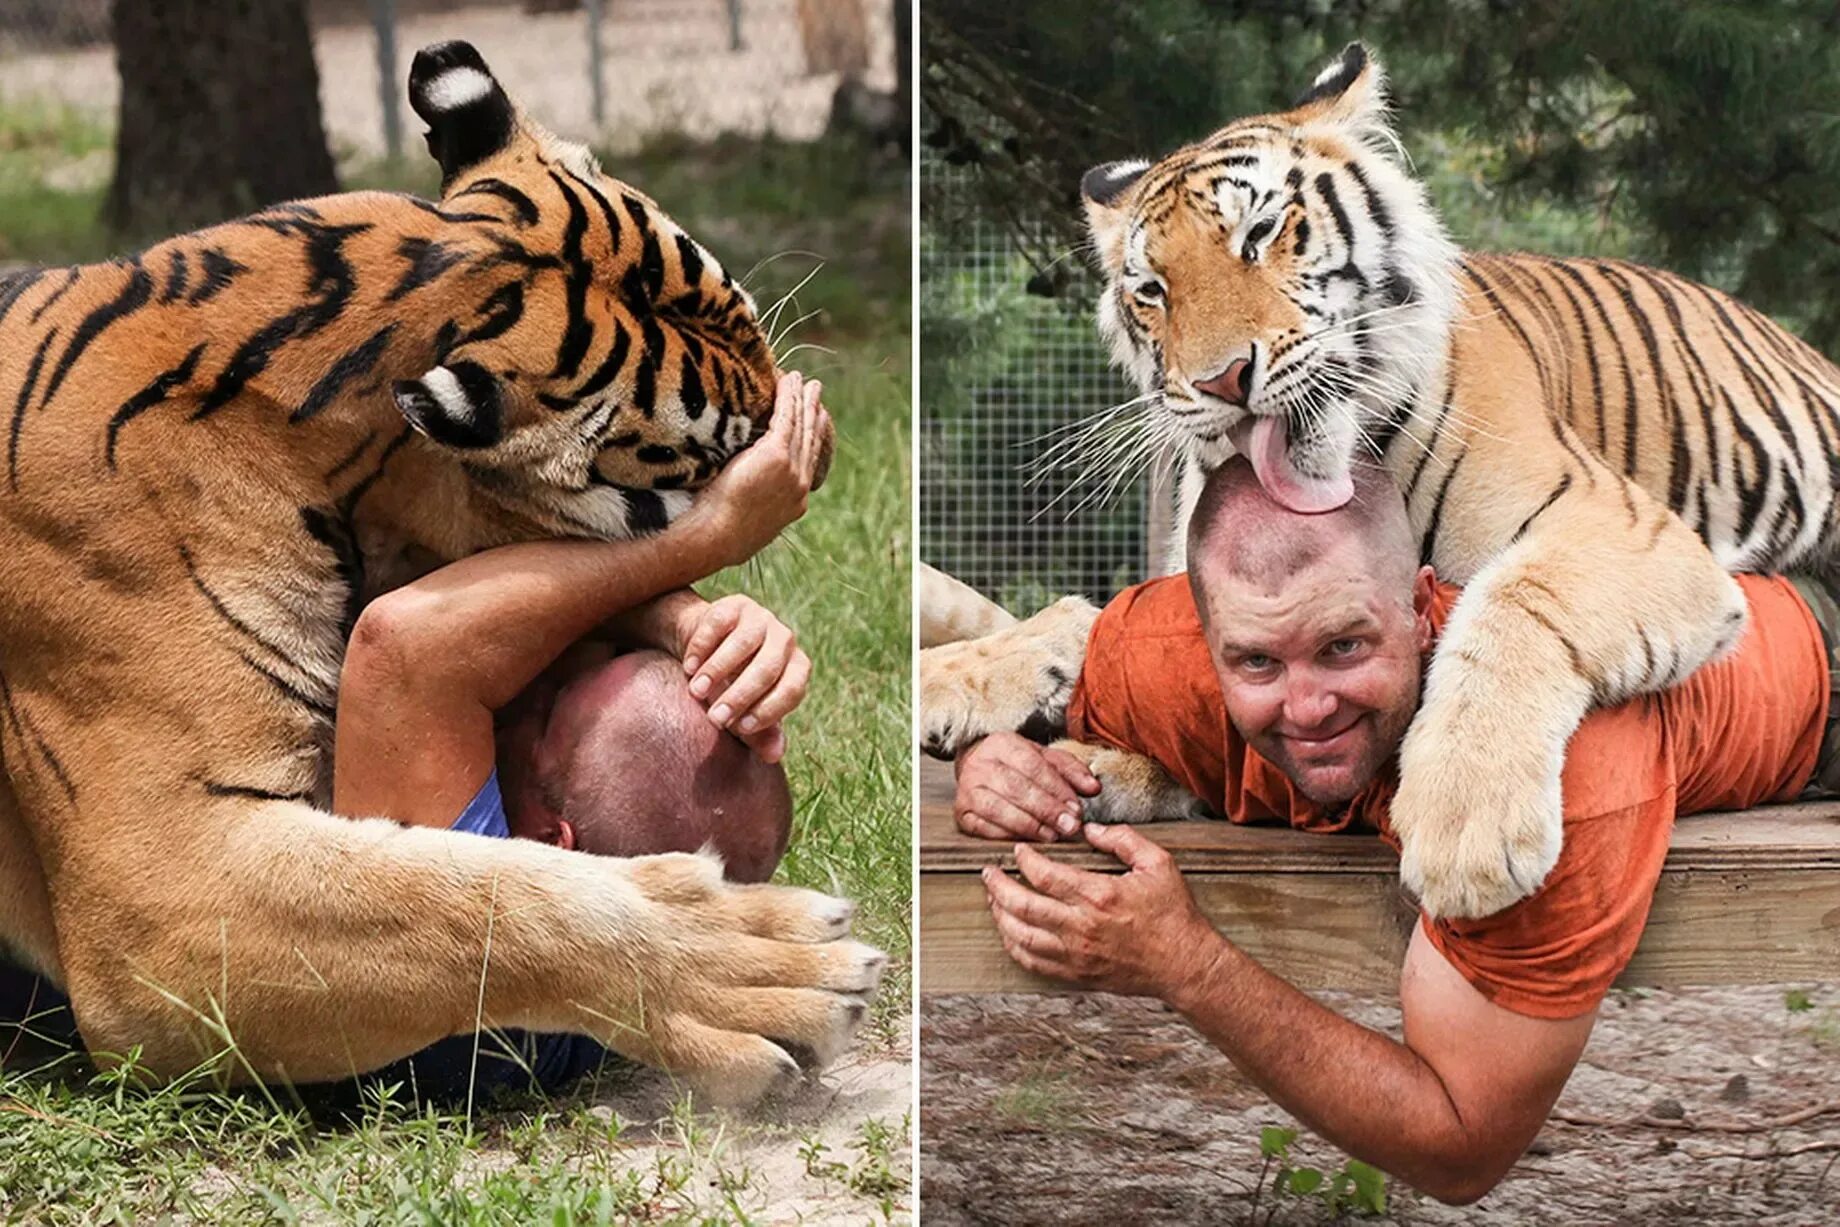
column 632, row 763
column 1239, row 532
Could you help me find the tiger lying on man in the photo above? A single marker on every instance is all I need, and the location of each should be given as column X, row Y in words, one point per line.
column 1588, row 446
column 217, row 450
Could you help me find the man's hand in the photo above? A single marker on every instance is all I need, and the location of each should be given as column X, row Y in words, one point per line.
column 1011, row 788
column 746, row 668
column 765, row 488
column 1138, row 933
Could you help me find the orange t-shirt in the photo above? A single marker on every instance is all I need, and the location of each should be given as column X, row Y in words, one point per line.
column 1738, row 733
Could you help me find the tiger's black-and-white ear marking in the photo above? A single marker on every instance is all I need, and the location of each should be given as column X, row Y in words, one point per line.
column 1103, row 185
column 457, row 405
column 469, row 116
column 1351, row 90
column 1104, row 188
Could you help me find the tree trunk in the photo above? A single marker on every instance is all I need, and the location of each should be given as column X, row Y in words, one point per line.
column 219, row 112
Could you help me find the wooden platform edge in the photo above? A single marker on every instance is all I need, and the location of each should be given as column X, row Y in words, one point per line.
column 1340, row 931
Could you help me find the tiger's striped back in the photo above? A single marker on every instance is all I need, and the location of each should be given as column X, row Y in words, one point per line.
column 1710, row 406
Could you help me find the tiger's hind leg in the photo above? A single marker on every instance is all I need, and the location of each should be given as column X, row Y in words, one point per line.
column 952, row 610
column 297, row 946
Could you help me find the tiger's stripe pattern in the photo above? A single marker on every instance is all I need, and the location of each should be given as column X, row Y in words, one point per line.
column 1589, row 446
column 215, row 451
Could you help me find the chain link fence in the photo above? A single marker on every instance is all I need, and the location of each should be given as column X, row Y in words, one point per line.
column 1012, row 368
column 618, row 72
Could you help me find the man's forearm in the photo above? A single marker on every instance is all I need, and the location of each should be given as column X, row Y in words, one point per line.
column 495, row 620
column 654, row 623
column 1363, row 1091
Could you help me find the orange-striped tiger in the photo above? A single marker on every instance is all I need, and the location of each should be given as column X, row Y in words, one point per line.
column 213, row 451
column 1588, row 445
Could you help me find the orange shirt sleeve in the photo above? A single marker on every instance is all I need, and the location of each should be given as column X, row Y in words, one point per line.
column 1742, row 732
column 1148, row 686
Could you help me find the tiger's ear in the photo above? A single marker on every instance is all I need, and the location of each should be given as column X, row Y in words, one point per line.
column 458, row 405
column 1106, row 191
column 469, row 116
column 1350, row 91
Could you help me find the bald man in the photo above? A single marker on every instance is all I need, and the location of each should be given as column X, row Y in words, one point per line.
column 1275, row 682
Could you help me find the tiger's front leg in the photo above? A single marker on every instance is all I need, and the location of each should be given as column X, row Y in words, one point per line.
column 1015, row 680
column 1593, row 604
column 1020, row 679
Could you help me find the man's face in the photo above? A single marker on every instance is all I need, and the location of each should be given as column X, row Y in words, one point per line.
column 1320, row 671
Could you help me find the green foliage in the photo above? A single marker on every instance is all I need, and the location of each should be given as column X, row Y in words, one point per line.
column 1699, row 134
column 1356, row 1188
column 1797, row 1001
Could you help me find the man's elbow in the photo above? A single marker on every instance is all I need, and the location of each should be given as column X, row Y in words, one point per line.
column 1461, row 1180
column 390, row 637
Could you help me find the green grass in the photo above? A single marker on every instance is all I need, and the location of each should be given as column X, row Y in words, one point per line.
column 53, row 174
column 78, row 1148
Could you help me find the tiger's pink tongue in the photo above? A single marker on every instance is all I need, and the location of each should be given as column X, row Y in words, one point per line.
column 1264, row 440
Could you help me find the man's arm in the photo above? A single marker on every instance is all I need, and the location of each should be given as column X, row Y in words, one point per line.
column 1448, row 1111
column 430, row 663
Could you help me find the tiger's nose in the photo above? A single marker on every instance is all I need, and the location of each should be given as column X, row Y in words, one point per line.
column 1230, row 384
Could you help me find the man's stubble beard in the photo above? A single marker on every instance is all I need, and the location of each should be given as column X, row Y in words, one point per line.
column 1389, row 731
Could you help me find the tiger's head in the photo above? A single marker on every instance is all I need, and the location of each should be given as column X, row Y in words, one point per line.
column 615, row 366
column 1281, row 288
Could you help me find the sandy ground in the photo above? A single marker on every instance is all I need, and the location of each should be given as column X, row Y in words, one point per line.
column 667, row 67
column 1071, row 1109
column 763, row 1164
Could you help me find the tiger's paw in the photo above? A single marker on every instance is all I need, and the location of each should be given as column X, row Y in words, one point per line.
column 1016, row 680
column 761, row 987
column 1478, row 831
column 1133, row 788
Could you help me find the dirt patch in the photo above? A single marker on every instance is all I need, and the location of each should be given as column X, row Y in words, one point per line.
column 836, row 1150
column 1085, row 1109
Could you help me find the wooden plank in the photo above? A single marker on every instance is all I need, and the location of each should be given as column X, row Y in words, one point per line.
column 1316, row 930
column 1802, row 836
column 1744, row 898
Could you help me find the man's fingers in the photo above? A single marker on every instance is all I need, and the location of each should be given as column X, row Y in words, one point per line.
column 1040, row 964
column 768, row 744
column 992, row 806
column 1037, row 909
column 1057, row 880
column 795, row 416
column 729, row 703
column 1019, row 933
column 807, row 455
column 714, row 624
column 979, row 827
column 785, row 696
column 1046, row 797
column 1078, row 776
column 735, row 651
column 1127, row 844
column 788, row 412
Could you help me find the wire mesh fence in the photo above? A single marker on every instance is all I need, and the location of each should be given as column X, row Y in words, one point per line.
column 1007, row 375
column 619, row 72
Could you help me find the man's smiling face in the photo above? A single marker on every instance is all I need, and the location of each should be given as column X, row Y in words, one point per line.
column 1316, row 624
column 1320, row 671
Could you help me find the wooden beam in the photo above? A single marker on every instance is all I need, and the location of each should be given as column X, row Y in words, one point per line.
column 1744, row 898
